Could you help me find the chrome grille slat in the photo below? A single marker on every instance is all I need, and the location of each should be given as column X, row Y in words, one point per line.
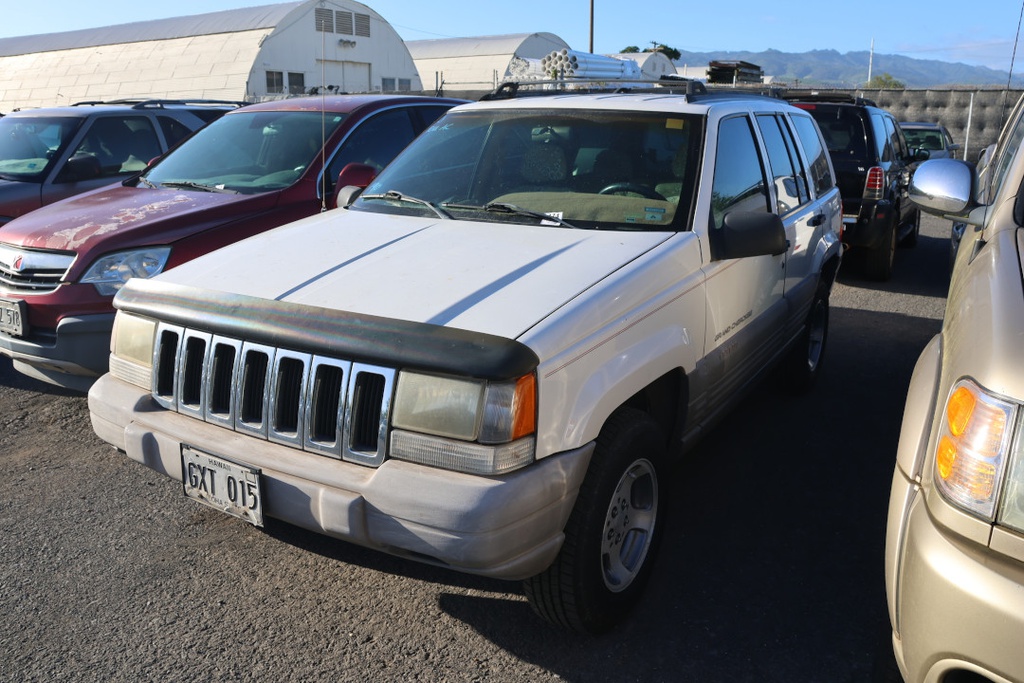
column 252, row 389
column 326, row 401
column 32, row 271
column 329, row 406
column 287, row 405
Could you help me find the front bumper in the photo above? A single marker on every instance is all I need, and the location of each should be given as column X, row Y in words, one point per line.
column 958, row 606
column 507, row 527
column 73, row 356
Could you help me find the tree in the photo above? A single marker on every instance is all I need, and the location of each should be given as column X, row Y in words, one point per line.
column 885, row 82
column 669, row 52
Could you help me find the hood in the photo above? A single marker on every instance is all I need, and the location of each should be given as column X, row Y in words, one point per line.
column 120, row 216
column 497, row 278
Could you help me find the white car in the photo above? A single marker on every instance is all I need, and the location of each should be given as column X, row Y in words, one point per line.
column 489, row 360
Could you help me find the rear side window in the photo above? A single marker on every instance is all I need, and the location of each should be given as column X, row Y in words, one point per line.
column 739, row 183
column 119, row 144
column 819, row 170
column 174, row 131
column 896, row 140
column 883, row 148
column 786, row 170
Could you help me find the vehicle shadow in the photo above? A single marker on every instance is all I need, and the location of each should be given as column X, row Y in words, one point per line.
column 9, row 377
column 771, row 567
column 922, row 270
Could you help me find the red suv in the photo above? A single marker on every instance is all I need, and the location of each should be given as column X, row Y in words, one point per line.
column 251, row 170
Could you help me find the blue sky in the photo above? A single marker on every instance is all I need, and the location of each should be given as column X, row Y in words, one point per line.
column 935, row 29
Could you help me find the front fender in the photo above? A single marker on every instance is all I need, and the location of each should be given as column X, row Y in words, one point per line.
column 919, row 411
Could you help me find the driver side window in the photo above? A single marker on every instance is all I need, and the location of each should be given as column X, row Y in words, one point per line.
column 739, row 183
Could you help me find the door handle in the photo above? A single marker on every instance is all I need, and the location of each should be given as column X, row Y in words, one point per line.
column 816, row 220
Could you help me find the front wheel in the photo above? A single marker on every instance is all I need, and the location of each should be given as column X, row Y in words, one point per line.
column 612, row 534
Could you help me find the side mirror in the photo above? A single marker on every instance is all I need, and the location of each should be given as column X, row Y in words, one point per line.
column 943, row 186
column 78, row 168
column 352, row 180
column 920, row 154
column 750, row 233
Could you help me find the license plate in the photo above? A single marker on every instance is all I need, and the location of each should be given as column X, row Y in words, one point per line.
column 12, row 317
column 231, row 488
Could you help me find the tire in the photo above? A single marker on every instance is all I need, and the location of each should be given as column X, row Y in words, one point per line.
column 915, row 231
column 612, row 534
column 878, row 262
column 803, row 365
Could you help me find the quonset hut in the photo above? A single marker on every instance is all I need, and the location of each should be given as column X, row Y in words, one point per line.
column 252, row 53
column 481, row 63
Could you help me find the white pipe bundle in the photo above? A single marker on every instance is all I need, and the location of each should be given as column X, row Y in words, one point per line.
column 572, row 64
column 525, row 68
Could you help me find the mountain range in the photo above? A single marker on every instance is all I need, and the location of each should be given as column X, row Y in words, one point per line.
column 845, row 70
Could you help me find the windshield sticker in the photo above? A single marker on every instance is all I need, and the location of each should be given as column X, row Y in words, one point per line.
column 553, row 214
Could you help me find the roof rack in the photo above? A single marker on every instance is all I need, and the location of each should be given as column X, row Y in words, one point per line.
column 829, row 97
column 581, row 86
column 158, row 103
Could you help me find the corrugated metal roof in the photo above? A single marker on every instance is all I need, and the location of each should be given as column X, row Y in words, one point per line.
column 227, row 21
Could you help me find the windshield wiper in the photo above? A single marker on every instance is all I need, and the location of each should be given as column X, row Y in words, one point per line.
column 188, row 184
column 505, row 207
column 396, row 196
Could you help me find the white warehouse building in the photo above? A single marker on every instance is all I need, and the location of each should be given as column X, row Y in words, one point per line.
column 483, row 62
column 252, row 53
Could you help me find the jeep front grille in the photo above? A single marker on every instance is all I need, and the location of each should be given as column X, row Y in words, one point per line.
column 35, row 272
column 329, row 406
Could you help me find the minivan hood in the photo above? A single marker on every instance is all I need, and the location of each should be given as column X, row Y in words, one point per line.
column 497, row 278
column 120, row 216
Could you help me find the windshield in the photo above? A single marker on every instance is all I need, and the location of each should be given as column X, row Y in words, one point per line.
column 584, row 169
column 246, row 152
column 923, row 138
column 29, row 146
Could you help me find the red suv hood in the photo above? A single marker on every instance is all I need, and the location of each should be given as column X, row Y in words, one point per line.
column 121, row 217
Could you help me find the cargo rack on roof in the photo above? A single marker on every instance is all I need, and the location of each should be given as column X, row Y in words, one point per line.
column 158, row 103
column 581, row 86
column 828, row 98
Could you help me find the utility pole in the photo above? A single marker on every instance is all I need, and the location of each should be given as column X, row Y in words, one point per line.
column 591, row 26
column 871, row 58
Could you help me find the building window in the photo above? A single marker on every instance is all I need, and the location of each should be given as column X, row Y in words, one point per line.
column 404, row 84
column 296, row 83
column 363, row 25
column 387, row 84
column 275, row 82
column 324, row 19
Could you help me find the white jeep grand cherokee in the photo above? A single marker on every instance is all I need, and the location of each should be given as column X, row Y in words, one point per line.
column 489, row 360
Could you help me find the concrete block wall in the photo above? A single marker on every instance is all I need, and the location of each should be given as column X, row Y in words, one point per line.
column 973, row 117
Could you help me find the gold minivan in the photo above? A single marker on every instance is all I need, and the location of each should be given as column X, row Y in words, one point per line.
column 954, row 557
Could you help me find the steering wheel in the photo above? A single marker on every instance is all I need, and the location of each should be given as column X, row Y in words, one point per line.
column 635, row 188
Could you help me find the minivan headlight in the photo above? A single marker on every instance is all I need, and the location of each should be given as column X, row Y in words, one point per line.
column 108, row 273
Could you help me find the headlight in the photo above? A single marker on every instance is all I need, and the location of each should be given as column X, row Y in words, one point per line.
column 973, row 448
column 109, row 272
column 131, row 346
column 464, row 424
